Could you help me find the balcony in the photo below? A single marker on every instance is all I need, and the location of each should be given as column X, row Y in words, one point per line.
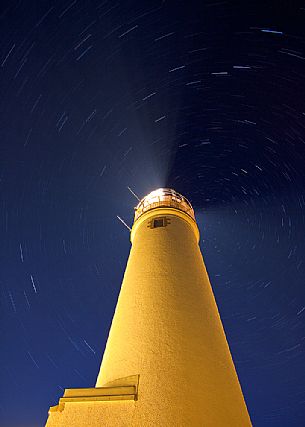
column 164, row 197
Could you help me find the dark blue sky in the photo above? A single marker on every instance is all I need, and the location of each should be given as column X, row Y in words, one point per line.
column 206, row 97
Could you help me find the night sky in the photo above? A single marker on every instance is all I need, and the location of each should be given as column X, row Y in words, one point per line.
column 206, row 97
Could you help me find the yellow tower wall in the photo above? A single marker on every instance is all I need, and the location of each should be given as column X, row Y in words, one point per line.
column 166, row 329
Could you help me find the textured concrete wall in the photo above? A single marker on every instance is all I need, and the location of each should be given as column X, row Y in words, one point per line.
column 167, row 329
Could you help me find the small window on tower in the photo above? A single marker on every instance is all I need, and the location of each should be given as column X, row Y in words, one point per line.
column 159, row 222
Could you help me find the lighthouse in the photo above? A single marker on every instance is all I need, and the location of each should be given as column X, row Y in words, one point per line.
column 167, row 361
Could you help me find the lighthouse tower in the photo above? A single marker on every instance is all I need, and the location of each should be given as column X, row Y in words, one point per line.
column 167, row 361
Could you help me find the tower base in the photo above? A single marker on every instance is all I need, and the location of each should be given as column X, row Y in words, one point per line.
column 112, row 405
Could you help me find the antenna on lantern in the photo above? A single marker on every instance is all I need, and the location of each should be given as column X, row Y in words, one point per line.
column 123, row 222
column 134, row 194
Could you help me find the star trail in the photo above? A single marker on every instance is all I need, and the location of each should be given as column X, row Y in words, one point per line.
column 101, row 103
